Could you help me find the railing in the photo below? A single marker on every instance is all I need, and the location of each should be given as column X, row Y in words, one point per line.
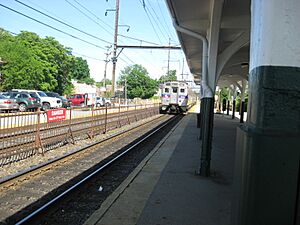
column 25, row 134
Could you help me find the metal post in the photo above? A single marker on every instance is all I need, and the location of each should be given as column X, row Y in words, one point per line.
column 242, row 110
column 114, row 58
column 127, row 112
column 119, row 122
column 105, row 124
column 135, row 112
column 93, row 124
column 38, row 140
column 70, row 127
column 233, row 109
column 125, row 91
column 228, row 106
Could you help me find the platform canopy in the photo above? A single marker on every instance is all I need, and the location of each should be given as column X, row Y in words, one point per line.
column 226, row 25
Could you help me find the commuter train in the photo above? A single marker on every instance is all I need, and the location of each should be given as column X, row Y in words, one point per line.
column 174, row 97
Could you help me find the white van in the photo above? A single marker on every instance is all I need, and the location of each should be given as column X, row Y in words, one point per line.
column 46, row 102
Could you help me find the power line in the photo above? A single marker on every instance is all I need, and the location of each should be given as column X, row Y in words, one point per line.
column 164, row 19
column 94, row 15
column 13, row 33
column 159, row 25
column 57, row 20
column 88, row 16
column 76, row 53
column 86, row 56
column 128, row 58
column 136, row 39
column 47, row 25
column 143, row 3
column 125, row 61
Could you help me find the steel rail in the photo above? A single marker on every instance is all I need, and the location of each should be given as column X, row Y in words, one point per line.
column 40, row 166
column 58, row 133
column 63, row 194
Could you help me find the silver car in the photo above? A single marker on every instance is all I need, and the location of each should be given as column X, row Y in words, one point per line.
column 8, row 104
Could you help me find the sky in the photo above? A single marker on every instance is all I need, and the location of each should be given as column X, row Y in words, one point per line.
column 149, row 23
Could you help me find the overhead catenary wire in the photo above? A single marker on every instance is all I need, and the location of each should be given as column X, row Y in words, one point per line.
column 159, row 21
column 155, row 17
column 128, row 64
column 54, row 28
column 143, row 4
column 156, row 20
column 76, row 53
column 94, row 15
column 62, row 22
column 91, row 18
column 167, row 27
column 86, row 56
column 136, row 39
column 128, row 58
column 33, row 3
column 88, row 16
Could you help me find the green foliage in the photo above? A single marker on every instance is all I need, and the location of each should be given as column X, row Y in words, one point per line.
column 101, row 83
column 170, row 76
column 79, row 69
column 138, row 82
column 224, row 93
column 39, row 63
column 239, row 102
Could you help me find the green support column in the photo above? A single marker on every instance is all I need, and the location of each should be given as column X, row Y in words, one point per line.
column 206, row 133
column 228, row 107
column 268, row 150
column 242, row 110
column 267, row 172
column 233, row 109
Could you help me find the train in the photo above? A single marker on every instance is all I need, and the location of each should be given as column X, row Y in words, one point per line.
column 175, row 97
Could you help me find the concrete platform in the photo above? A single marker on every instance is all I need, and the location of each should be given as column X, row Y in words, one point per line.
column 165, row 189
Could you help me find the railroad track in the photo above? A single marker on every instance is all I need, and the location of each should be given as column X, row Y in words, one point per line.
column 26, row 195
column 25, row 141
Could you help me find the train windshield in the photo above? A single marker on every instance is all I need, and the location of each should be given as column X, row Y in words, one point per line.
column 166, row 90
column 174, row 89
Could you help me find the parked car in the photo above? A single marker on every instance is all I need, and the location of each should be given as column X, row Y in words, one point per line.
column 107, row 102
column 8, row 104
column 25, row 100
column 47, row 102
column 77, row 99
column 65, row 102
column 101, row 101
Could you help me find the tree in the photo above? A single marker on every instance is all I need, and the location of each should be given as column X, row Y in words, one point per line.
column 39, row 63
column 101, row 83
column 79, row 69
column 22, row 69
column 138, row 82
column 170, row 76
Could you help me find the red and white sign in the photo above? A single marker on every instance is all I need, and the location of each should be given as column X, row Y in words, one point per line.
column 54, row 115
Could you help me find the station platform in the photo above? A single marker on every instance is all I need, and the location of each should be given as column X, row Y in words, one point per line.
column 165, row 188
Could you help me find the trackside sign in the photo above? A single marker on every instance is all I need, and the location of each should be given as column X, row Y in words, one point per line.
column 54, row 115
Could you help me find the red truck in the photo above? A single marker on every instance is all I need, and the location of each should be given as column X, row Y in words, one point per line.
column 78, row 99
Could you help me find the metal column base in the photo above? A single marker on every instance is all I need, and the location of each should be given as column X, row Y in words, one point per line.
column 266, row 178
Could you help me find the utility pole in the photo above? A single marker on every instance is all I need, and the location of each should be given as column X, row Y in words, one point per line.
column 105, row 68
column 169, row 58
column 114, row 58
column 182, row 74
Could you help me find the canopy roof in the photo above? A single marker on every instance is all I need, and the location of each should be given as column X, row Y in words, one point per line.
column 226, row 24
